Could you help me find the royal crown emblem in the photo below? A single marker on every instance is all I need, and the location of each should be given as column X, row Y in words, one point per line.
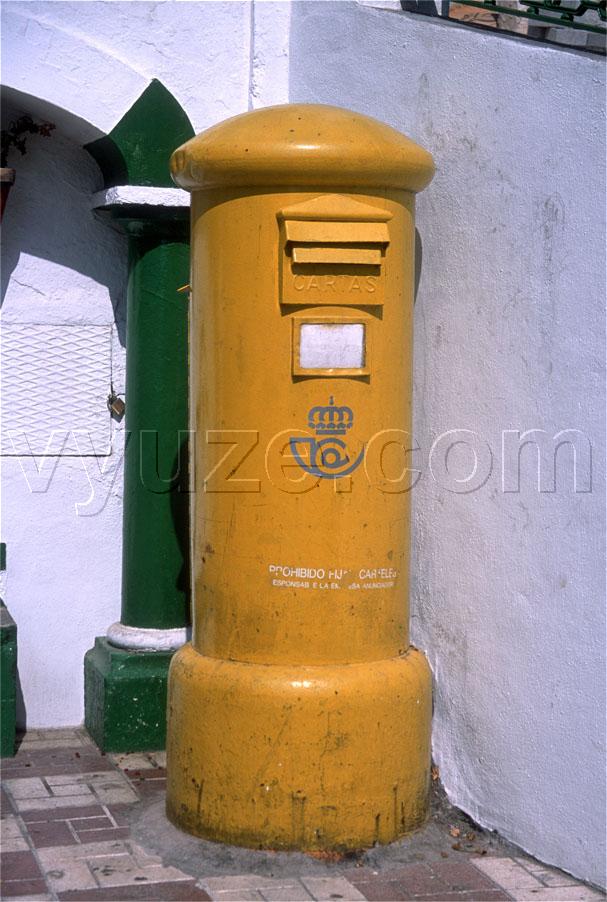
column 330, row 420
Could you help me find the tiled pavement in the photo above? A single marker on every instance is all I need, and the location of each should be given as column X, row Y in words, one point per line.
column 65, row 835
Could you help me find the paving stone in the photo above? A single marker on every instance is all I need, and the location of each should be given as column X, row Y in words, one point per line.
column 364, row 874
column 6, row 808
column 90, row 823
column 549, row 876
column 380, row 890
column 109, row 781
column 485, row 895
column 460, row 875
column 285, row 892
column 66, row 875
column 72, row 789
column 152, row 773
column 417, row 879
column 42, row 897
column 555, row 878
column 257, row 887
column 58, row 781
column 107, row 833
column 15, row 844
column 54, row 802
column 249, row 895
column 160, row 758
column 29, row 788
column 53, row 738
column 62, row 760
column 59, row 734
column 124, row 870
column 19, row 866
column 133, row 761
column 120, row 814
column 80, row 852
column 117, row 867
column 113, row 794
column 9, row 764
column 578, row 893
column 23, row 888
column 507, row 873
column 163, row 892
column 11, row 837
column 51, row 833
column 149, row 789
column 325, row 888
column 20, row 772
column 57, row 769
column 50, row 743
column 234, row 883
column 61, row 813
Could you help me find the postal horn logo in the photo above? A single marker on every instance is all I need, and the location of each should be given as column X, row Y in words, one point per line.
column 327, row 455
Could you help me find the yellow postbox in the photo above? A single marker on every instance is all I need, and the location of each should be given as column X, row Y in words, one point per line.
column 299, row 715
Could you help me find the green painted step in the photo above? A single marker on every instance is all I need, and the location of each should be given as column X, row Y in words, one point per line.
column 8, row 682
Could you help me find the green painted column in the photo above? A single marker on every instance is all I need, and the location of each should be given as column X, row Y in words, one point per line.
column 8, row 674
column 155, row 590
column 126, row 670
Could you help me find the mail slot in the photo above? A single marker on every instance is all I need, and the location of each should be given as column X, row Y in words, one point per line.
column 333, row 251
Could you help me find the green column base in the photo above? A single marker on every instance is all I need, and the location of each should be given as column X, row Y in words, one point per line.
column 125, row 697
column 8, row 682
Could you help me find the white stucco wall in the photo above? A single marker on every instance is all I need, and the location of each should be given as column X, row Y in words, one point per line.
column 508, row 587
column 63, row 276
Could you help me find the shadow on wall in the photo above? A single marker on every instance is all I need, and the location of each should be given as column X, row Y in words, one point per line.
column 48, row 217
column 418, row 263
column 20, row 710
column 180, row 512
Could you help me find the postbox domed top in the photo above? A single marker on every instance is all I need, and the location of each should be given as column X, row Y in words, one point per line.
column 302, row 145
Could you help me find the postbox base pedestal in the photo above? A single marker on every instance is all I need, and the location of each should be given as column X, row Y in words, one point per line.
column 299, row 757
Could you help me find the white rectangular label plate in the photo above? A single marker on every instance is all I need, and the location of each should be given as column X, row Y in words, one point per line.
column 325, row 346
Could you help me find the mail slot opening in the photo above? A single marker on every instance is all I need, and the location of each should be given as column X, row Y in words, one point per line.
column 350, row 255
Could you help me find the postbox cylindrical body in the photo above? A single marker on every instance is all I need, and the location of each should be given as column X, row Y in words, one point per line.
column 299, row 716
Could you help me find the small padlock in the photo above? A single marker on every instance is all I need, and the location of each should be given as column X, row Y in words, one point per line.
column 116, row 405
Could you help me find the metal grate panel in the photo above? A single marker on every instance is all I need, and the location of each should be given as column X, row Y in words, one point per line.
column 55, row 382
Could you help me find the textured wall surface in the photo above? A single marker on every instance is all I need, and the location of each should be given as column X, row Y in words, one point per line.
column 199, row 51
column 64, row 275
column 508, row 586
